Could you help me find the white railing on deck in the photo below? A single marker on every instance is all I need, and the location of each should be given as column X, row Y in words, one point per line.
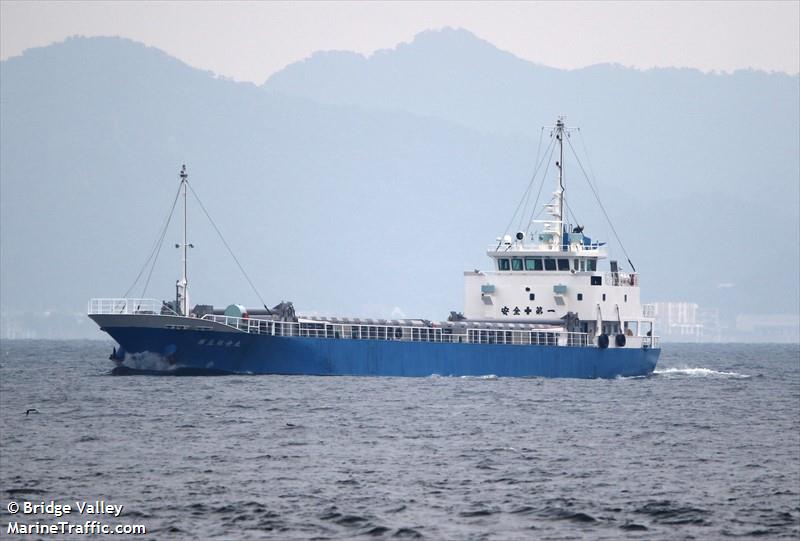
column 534, row 250
column 648, row 310
column 355, row 331
column 127, row 306
column 650, row 341
column 620, row 279
column 609, row 278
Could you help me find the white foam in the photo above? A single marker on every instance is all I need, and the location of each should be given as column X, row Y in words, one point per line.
column 698, row 373
column 487, row 376
column 147, row 361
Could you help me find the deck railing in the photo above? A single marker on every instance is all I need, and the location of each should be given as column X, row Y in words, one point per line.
column 536, row 249
column 129, row 306
column 620, row 279
column 357, row 331
column 609, row 278
column 650, row 341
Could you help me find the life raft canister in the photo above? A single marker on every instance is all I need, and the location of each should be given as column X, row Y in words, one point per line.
column 602, row 341
column 620, row 340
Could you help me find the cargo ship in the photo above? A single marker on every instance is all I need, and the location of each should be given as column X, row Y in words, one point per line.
column 544, row 309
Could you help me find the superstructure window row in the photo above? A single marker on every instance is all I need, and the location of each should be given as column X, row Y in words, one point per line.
column 544, row 263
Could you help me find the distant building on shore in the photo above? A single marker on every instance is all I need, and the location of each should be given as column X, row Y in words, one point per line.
column 768, row 327
column 678, row 321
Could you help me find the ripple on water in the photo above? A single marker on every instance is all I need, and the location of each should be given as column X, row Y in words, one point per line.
column 668, row 512
column 705, row 448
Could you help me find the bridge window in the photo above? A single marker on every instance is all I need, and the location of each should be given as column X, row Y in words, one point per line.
column 591, row 265
column 503, row 264
column 533, row 263
column 575, row 264
column 550, row 264
column 516, row 264
column 563, row 264
column 597, row 280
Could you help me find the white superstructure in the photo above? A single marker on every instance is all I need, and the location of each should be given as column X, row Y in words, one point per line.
column 553, row 276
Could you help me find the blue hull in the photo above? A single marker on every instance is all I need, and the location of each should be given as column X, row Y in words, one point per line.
column 244, row 353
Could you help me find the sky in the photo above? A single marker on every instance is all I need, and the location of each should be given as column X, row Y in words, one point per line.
column 249, row 41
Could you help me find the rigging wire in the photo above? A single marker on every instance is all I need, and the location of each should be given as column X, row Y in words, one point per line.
column 588, row 159
column 613, row 229
column 156, row 247
column 571, row 213
column 160, row 244
column 230, row 251
column 527, row 191
column 541, row 186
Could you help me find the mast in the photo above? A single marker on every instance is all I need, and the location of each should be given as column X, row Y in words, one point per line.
column 554, row 229
column 183, row 283
column 560, row 165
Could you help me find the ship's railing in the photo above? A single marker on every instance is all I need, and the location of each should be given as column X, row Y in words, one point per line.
column 355, row 331
column 651, row 341
column 620, row 279
column 129, row 306
column 648, row 310
column 609, row 278
column 533, row 250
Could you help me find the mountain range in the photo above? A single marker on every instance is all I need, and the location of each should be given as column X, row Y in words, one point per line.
column 366, row 185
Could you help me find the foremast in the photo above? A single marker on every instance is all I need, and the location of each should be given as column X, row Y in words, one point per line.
column 182, row 287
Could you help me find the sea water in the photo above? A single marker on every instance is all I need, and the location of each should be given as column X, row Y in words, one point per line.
column 706, row 448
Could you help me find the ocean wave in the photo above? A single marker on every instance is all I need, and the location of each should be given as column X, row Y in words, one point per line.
column 698, row 373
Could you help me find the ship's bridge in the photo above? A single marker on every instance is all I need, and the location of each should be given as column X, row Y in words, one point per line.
column 576, row 253
column 548, row 277
column 548, row 273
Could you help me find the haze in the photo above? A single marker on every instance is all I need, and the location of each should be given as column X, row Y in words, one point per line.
column 365, row 184
column 249, row 41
